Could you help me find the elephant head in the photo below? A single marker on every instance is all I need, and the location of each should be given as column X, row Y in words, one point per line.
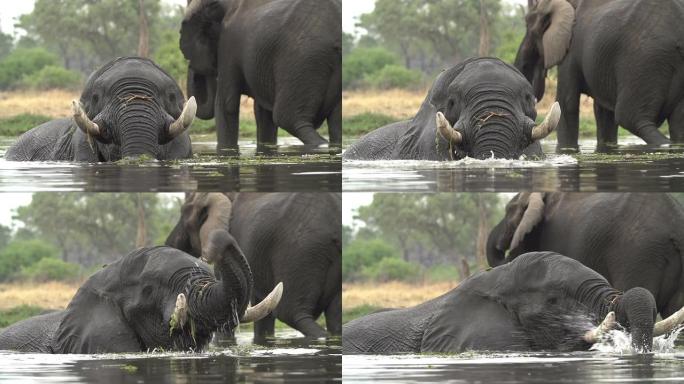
column 523, row 213
column 162, row 298
column 549, row 31
column 485, row 107
column 200, row 32
column 134, row 107
column 545, row 284
column 201, row 214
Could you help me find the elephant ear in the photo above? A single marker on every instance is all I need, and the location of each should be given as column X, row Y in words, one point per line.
column 201, row 28
column 523, row 213
column 557, row 36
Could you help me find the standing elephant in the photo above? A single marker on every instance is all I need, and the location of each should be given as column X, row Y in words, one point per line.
column 634, row 240
column 539, row 301
column 153, row 298
column 290, row 237
column 286, row 54
column 129, row 108
column 491, row 107
column 626, row 54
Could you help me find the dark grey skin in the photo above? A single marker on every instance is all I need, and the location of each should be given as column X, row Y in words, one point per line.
column 128, row 306
column 633, row 240
column 285, row 54
column 290, row 237
column 539, row 301
column 488, row 102
column 626, row 54
column 133, row 102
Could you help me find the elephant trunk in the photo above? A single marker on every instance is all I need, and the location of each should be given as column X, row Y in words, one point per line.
column 494, row 124
column 636, row 310
column 203, row 88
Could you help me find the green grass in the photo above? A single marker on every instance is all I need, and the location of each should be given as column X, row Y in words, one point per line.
column 16, row 125
column 15, row 314
column 359, row 125
column 356, row 312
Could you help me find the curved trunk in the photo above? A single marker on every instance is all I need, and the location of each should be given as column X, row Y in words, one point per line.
column 636, row 310
column 495, row 256
column 204, row 89
column 221, row 303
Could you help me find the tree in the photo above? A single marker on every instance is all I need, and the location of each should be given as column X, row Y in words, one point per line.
column 92, row 229
column 143, row 31
column 432, row 229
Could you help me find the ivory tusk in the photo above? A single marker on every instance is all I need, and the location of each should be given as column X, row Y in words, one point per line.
column 549, row 124
column 265, row 307
column 185, row 119
column 595, row 334
column 664, row 326
column 180, row 312
column 446, row 130
column 82, row 120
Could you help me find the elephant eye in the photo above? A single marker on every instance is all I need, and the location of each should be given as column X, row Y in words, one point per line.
column 552, row 301
column 96, row 99
column 172, row 98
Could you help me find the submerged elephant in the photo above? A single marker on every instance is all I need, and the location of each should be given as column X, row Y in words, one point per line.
column 152, row 298
column 286, row 54
column 491, row 107
column 625, row 54
column 129, row 108
column 539, row 301
column 290, row 237
column 632, row 239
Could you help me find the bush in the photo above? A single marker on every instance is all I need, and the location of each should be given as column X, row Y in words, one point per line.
column 15, row 314
column 52, row 77
column 50, row 269
column 362, row 62
column 392, row 269
column 362, row 254
column 394, row 76
column 23, row 253
column 442, row 273
column 16, row 125
column 363, row 123
column 22, row 62
column 170, row 58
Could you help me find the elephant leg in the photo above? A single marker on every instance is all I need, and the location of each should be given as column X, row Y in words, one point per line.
column 267, row 131
column 333, row 315
column 335, row 125
column 676, row 121
column 568, row 95
column 227, row 114
column 264, row 327
column 606, row 128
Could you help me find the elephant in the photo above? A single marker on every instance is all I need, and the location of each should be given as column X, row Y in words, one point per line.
column 129, row 108
column 632, row 239
column 290, row 237
column 491, row 107
column 152, row 298
column 285, row 54
column 625, row 54
column 539, row 301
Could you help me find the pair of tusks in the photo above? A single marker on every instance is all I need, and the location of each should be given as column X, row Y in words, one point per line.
column 538, row 132
column 660, row 328
column 255, row 313
column 176, row 128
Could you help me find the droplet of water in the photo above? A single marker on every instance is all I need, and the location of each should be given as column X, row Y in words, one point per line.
column 619, row 341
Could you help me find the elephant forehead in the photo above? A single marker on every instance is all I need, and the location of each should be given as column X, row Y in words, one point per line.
column 492, row 71
column 136, row 68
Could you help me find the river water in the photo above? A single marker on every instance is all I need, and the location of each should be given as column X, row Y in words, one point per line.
column 288, row 358
column 290, row 167
column 630, row 167
column 612, row 362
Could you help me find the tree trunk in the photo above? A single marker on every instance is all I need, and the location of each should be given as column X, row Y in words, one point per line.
column 484, row 31
column 482, row 232
column 141, row 238
column 144, row 33
column 465, row 269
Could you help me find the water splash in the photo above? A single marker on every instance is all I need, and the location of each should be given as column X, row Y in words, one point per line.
column 467, row 162
column 620, row 341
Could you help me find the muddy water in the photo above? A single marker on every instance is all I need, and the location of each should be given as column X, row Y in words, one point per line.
column 288, row 167
column 630, row 167
column 288, row 358
column 611, row 362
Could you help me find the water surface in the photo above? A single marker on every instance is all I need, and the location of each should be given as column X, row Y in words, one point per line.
column 632, row 166
column 289, row 167
column 288, row 358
